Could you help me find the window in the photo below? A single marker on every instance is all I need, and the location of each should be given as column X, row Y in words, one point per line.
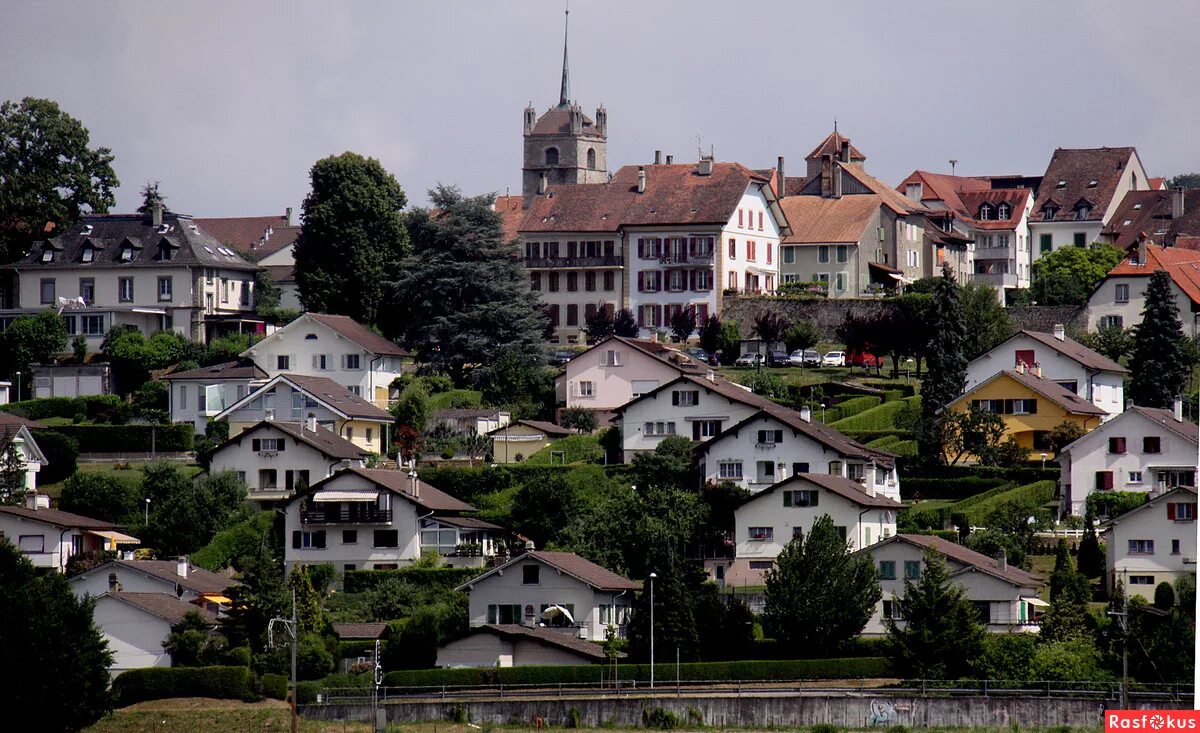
column 320, row 361
column 353, row 362
column 985, row 212
column 553, row 285
column 891, row 609
column 591, row 158
column 1141, row 580
column 164, row 288
column 1081, row 214
column 87, row 290
column 741, row 222
column 47, row 291
column 1141, row 547
column 609, row 281
column 1174, row 547
column 762, row 534
column 612, row 358
column 89, row 254
column 125, row 289
column 843, row 253
column 349, row 536
column 702, row 429
column 733, row 249
column 1045, row 243
column 789, row 255
column 685, row 397
column 912, row 569
column 1003, row 211
column 730, row 470
column 1116, row 445
column 887, row 569
column 531, row 574
column 1135, row 477
column 91, row 325
column 386, row 538
column 572, row 281
column 308, row 540
column 1112, row 322
column 1152, row 444
column 349, row 431
column 1181, row 512
column 770, row 437
column 551, row 156
column 823, row 254
column 31, row 543
column 264, row 444
column 268, row 478
column 984, row 610
column 841, row 282
column 1080, row 239
column 589, row 281
column 799, row 467
column 751, row 250
column 1122, row 293
column 535, row 281
column 283, row 362
column 801, row 498
column 659, row 428
column 587, row 389
column 1104, row 480
column 506, row 613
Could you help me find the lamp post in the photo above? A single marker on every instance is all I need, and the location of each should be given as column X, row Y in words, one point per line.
column 18, row 387
column 1043, row 460
column 822, row 412
column 652, row 577
column 147, row 522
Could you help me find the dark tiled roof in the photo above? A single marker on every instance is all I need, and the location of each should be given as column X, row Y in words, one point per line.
column 548, row 637
column 369, row 630
column 1044, row 317
column 112, row 233
column 337, row 397
column 977, row 560
column 557, row 121
column 548, row 428
column 354, row 331
column 198, row 580
column 832, row 145
column 9, row 420
column 724, row 387
column 819, row 220
column 248, row 234
column 58, row 518
column 281, row 273
column 1076, row 169
column 163, row 605
column 1076, row 352
column 244, row 369
column 1149, row 214
column 818, row 431
column 581, row 569
column 455, row 413
column 329, row 443
column 843, row 487
column 465, row 522
column 1185, row 429
column 398, row 482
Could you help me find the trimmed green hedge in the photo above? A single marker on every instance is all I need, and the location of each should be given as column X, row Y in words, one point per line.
column 882, row 417
column 361, row 581
column 1115, row 503
column 131, row 438
column 1017, row 474
column 275, row 686
column 796, row 669
column 958, row 489
column 155, row 683
column 577, row 448
column 94, row 407
column 1038, row 493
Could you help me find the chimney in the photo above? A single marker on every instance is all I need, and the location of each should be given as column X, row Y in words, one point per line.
column 114, row 586
column 312, row 423
column 156, row 211
column 287, row 216
column 270, row 415
column 837, row 181
column 782, row 179
column 670, row 159
column 1177, row 408
column 181, row 567
column 1177, row 209
column 1020, row 367
column 31, row 500
column 641, row 180
column 706, row 164
column 845, row 151
column 712, row 376
column 806, row 413
column 1060, row 332
column 542, row 183
column 1003, row 560
column 657, row 157
column 826, row 175
column 1141, row 252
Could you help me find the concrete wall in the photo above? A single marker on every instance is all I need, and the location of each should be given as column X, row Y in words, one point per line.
column 880, row 711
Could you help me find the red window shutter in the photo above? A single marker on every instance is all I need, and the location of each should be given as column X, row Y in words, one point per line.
column 658, row 280
column 692, row 246
column 1024, row 356
column 696, row 430
column 692, row 279
column 1171, row 511
column 760, row 220
column 1108, row 479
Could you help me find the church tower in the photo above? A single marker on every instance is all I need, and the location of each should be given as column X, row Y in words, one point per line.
column 564, row 145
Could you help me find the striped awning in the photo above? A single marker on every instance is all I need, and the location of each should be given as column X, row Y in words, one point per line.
column 114, row 538
column 346, row 495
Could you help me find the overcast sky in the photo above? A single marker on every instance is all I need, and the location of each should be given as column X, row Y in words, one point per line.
column 228, row 104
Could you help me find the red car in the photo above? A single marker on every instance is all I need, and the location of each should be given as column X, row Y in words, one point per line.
column 864, row 359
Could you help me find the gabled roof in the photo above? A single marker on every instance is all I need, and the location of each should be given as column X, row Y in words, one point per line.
column 1076, row 169
column 369, row 630
column 1016, row 198
column 10, row 431
column 545, row 637
column 188, row 244
column 58, row 518
column 1056, row 393
column 665, row 354
column 548, row 428
column 1183, row 265
column 839, row 443
column 1067, row 347
column 1185, row 429
column 198, row 580
column 327, row 442
column 897, row 202
column 1184, row 492
column 970, row 558
column 727, row 389
column 163, row 605
column 846, row 488
column 832, row 145
column 944, row 188
column 581, row 569
column 261, row 235
column 244, row 369
column 344, row 326
column 399, row 483
column 9, row 420
column 329, row 393
column 821, row 220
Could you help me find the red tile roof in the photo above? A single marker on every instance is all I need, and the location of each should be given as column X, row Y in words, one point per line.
column 400, row 483
column 1075, row 169
column 894, row 200
column 244, row 369
column 1016, row 198
column 832, row 145
column 1056, row 393
column 1149, row 214
column 1183, row 265
column 354, row 331
column 257, row 235
column 1074, row 351
column 820, row 220
column 511, row 210
column 9, row 420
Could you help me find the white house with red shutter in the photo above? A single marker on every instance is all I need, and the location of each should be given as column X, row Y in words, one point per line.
column 1154, row 543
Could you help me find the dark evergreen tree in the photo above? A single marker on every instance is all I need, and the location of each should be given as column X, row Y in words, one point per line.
column 1091, row 557
column 352, row 237
column 811, row 576
column 946, row 361
column 1068, row 618
column 600, row 324
column 625, row 324
column 150, row 197
column 12, row 475
column 1063, row 569
column 1157, row 364
column 939, row 635
column 683, row 324
column 675, row 595
column 710, row 335
column 461, row 299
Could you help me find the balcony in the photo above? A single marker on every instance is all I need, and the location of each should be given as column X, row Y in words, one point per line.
column 996, row 279
column 568, row 263
column 347, row 515
column 683, row 259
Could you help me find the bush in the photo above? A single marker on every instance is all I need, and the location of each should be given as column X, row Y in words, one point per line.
column 275, row 686
column 306, row 692
column 97, row 408
column 155, row 683
column 877, row 418
column 61, row 453
column 660, row 719
column 917, row 487
column 131, row 438
column 362, row 581
column 1114, row 503
column 578, row 448
column 580, row 418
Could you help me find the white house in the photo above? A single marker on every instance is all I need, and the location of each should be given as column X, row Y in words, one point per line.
column 557, row 590
column 198, row 395
column 176, row 578
column 135, row 625
column 773, row 444
column 471, row 420
column 337, row 348
column 15, row 433
column 270, row 241
column 1142, row 449
column 694, row 406
column 49, row 537
column 1154, row 543
column 520, row 439
column 617, row 370
column 375, row 519
column 1080, row 370
column 765, row 523
column 514, row 645
column 1006, row 597
column 299, row 398
column 1120, row 297
column 275, row 459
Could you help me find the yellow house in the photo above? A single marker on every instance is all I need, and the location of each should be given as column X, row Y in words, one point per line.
column 299, row 398
column 1029, row 405
column 519, row 440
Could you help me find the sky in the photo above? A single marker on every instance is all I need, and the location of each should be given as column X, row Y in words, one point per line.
column 228, row 103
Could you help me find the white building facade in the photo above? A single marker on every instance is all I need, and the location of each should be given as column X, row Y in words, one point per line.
column 276, row 459
column 1155, row 543
column 199, row 395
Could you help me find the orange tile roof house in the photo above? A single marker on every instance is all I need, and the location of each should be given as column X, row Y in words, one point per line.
column 1162, row 217
column 1120, row 298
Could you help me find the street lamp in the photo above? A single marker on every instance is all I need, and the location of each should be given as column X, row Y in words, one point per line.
column 1043, row 460
column 147, row 522
column 652, row 577
column 18, row 387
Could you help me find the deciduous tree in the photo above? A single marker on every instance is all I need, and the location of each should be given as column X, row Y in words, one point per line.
column 989, row 320
column 624, row 324
column 770, row 326
column 1067, row 276
column 28, row 340
column 683, row 324
column 1157, row 363
column 600, row 324
column 802, row 335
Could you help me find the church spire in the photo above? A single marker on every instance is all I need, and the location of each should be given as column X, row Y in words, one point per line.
column 564, row 96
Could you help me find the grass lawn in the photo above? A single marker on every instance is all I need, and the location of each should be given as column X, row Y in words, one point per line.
column 810, row 375
column 132, row 474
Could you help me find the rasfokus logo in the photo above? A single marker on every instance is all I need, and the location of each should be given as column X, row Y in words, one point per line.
column 1151, row 720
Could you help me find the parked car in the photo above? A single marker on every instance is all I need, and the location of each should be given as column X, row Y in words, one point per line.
column 834, row 359
column 749, row 360
column 778, row 359
column 865, row 359
column 701, row 355
column 797, row 358
column 812, row 358
column 561, row 357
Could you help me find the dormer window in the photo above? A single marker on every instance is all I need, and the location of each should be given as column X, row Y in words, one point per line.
column 310, row 337
column 47, row 255
column 985, row 212
column 1003, row 211
column 1082, row 211
column 89, row 255
column 1093, row 183
column 1062, row 184
column 1048, row 213
column 126, row 254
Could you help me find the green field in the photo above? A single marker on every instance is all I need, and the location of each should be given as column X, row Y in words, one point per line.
column 132, row 474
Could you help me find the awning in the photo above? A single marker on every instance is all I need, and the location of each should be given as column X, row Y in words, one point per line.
column 217, row 598
column 114, row 538
column 346, row 495
column 1034, row 601
column 901, row 278
column 150, row 311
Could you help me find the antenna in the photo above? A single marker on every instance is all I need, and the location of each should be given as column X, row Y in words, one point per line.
column 953, row 163
column 834, row 125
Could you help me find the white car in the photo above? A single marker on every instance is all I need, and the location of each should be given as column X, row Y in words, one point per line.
column 748, row 360
column 834, row 359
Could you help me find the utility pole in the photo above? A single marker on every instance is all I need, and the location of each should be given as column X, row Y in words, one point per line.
column 292, row 629
column 652, row 577
column 1122, row 618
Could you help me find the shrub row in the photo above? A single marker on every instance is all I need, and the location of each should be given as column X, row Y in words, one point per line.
column 155, row 683
column 851, row 407
column 361, row 581
column 1036, row 493
column 796, row 669
column 1019, row 474
column 131, row 438
column 1114, row 503
column 576, row 448
column 882, row 417
column 94, row 407
column 918, row 487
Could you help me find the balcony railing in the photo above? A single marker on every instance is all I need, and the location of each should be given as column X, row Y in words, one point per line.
column 569, row 262
column 683, row 258
column 346, row 515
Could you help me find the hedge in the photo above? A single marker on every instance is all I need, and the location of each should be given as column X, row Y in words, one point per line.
column 1018, row 474
column 131, row 438
column 855, row 405
column 917, row 487
column 904, row 389
column 1114, row 503
column 1036, row 493
column 275, row 686
column 154, row 683
column 575, row 449
column 61, row 454
column 797, row 669
column 882, row 417
column 94, row 407
column 361, row 581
